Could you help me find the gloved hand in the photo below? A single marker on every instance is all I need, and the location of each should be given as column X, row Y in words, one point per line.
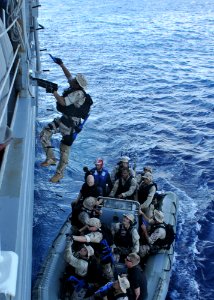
column 51, row 89
column 58, row 61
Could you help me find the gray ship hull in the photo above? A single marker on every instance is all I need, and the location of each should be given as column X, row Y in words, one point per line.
column 19, row 52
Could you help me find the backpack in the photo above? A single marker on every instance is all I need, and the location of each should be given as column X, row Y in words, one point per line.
column 170, row 236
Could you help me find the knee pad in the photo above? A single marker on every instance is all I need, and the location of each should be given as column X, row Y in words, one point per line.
column 67, row 140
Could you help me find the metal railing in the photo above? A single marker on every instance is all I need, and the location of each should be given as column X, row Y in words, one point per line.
column 7, row 75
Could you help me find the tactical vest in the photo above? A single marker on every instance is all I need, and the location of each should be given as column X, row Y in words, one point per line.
column 72, row 111
column 123, row 237
column 124, row 188
column 143, row 192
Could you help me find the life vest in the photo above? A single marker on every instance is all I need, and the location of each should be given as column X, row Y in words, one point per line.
column 143, row 192
column 123, row 237
column 124, row 188
column 101, row 178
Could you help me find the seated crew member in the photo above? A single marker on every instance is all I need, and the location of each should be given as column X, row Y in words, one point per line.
column 68, row 124
column 154, row 235
column 78, row 260
column 126, row 237
column 114, row 290
column 88, row 189
column 145, row 170
column 146, row 192
column 117, row 171
column 136, row 277
column 89, row 210
column 77, row 269
column 102, row 177
column 92, row 233
column 124, row 187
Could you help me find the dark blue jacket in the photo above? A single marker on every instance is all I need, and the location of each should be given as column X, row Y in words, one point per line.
column 102, row 178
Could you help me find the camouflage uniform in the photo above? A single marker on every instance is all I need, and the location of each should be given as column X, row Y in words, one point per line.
column 135, row 237
column 87, row 210
column 94, row 237
column 57, row 126
column 126, row 194
column 159, row 233
column 81, row 269
column 80, row 265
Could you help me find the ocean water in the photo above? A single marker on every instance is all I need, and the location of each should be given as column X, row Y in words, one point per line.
column 150, row 70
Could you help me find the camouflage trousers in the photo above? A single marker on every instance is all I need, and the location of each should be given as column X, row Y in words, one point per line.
column 45, row 136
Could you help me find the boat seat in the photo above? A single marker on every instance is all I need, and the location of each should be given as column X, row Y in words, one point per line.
column 113, row 210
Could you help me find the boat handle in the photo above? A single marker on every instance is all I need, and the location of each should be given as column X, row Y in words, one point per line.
column 40, row 27
column 39, row 5
column 170, row 264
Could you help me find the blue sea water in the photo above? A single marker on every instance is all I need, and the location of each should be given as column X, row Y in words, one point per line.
column 150, row 70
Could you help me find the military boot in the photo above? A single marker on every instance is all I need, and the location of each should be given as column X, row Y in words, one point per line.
column 50, row 158
column 45, row 136
column 64, row 155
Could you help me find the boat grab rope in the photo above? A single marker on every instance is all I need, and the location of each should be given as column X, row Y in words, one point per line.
column 13, row 7
column 13, row 10
column 8, row 28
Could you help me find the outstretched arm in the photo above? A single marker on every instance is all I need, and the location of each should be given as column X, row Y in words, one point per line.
column 66, row 72
column 59, row 62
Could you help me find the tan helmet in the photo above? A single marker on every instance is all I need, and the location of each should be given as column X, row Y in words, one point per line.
column 94, row 222
column 130, row 217
column 80, row 78
column 159, row 216
column 148, row 176
column 147, row 169
column 125, row 159
column 89, row 249
column 124, row 283
column 89, row 202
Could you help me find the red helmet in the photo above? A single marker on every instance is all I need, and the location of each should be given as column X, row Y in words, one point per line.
column 99, row 161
